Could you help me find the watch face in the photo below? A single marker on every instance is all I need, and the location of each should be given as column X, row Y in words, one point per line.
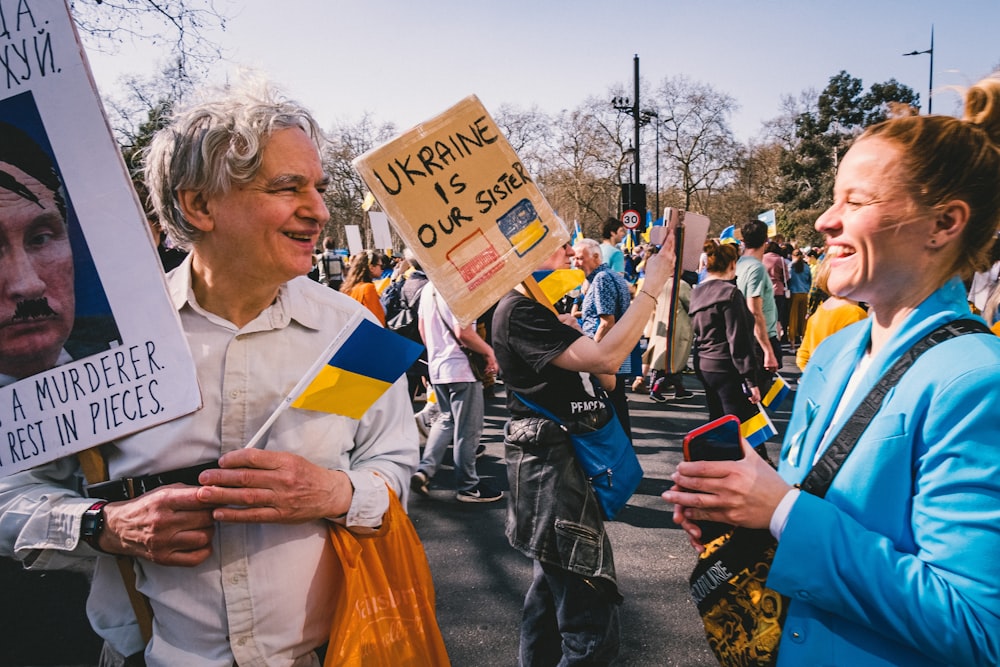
column 92, row 523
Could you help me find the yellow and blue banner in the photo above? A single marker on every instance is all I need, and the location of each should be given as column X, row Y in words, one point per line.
column 728, row 235
column 577, row 233
column 772, row 223
column 778, row 392
column 557, row 283
column 758, row 428
column 363, row 367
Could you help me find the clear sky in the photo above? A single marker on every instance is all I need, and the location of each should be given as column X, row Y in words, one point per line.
column 407, row 60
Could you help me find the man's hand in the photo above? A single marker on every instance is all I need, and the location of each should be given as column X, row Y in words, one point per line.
column 168, row 526
column 770, row 361
column 261, row 486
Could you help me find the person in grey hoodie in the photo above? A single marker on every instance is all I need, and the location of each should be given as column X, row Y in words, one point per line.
column 724, row 354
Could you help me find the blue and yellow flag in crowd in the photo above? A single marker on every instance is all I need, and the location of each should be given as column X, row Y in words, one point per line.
column 758, row 428
column 577, row 234
column 768, row 218
column 557, row 283
column 776, row 394
column 362, row 368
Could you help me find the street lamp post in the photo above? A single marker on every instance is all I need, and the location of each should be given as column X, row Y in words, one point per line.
column 647, row 117
column 623, row 104
column 930, row 85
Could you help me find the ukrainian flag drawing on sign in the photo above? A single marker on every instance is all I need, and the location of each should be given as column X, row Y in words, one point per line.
column 522, row 227
column 758, row 428
column 359, row 372
column 557, row 283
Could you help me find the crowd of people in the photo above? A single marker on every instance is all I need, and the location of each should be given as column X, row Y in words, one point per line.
column 229, row 545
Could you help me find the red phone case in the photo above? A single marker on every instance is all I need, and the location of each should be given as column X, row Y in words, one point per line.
column 709, row 428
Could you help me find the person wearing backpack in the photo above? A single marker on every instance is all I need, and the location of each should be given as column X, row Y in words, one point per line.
column 331, row 265
column 401, row 301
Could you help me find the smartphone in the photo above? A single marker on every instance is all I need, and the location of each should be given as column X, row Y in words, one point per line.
column 718, row 440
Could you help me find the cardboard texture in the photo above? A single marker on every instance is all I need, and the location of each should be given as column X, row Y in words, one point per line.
column 125, row 364
column 695, row 233
column 462, row 201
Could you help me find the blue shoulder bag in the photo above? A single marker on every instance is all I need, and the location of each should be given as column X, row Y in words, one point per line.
column 606, row 457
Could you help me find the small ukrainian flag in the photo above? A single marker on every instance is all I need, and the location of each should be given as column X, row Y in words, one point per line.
column 359, row 372
column 758, row 428
column 776, row 394
column 557, row 283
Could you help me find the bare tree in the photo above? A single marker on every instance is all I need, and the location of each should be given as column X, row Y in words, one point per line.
column 697, row 142
column 347, row 190
column 528, row 131
column 584, row 167
column 184, row 27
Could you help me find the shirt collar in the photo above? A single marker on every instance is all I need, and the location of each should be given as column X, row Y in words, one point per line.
column 600, row 267
column 292, row 303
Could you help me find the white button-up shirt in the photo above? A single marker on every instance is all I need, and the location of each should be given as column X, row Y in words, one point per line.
column 264, row 596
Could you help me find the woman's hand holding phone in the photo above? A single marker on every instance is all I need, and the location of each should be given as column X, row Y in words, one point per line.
column 737, row 488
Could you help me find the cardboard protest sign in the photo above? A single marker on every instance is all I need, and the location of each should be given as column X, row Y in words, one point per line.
column 91, row 348
column 691, row 244
column 463, row 202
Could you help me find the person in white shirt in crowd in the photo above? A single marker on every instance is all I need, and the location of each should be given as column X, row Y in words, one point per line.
column 459, row 398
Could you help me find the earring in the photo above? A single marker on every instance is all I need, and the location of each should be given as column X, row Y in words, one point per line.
column 933, row 242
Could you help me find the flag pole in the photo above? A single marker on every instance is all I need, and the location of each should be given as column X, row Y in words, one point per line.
column 317, row 365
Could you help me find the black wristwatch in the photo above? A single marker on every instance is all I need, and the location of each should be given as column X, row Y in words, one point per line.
column 92, row 524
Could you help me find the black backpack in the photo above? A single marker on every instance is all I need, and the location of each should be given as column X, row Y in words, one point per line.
column 401, row 312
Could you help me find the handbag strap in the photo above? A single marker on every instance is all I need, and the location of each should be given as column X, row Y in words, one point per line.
column 600, row 393
column 539, row 409
column 819, row 479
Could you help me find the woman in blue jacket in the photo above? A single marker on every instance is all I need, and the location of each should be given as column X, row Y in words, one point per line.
column 893, row 566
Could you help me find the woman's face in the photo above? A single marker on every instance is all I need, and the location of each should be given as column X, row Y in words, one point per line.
column 877, row 234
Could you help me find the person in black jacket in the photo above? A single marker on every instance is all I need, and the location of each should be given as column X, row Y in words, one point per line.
column 724, row 354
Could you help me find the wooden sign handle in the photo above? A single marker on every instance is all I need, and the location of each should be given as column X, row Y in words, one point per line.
column 534, row 290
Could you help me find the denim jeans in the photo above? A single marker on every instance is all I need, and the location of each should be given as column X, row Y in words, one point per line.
column 460, row 423
column 569, row 620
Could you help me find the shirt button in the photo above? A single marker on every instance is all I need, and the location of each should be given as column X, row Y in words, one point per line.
column 69, row 541
column 241, row 641
column 235, row 579
column 234, row 394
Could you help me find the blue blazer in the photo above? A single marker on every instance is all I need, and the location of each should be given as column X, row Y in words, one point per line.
column 897, row 565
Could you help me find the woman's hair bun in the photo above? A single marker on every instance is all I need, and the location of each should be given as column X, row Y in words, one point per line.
column 982, row 106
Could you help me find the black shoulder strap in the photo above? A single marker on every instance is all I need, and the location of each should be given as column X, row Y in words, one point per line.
column 819, row 479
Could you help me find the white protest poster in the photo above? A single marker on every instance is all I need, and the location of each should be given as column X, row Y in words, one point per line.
column 380, row 229
column 354, row 244
column 91, row 348
column 455, row 190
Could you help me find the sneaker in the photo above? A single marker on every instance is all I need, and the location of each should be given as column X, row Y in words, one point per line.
column 638, row 385
column 684, row 393
column 657, row 397
column 480, row 493
column 419, row 482
column 480, row 450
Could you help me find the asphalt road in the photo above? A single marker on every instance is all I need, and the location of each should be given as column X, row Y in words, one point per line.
column 480, row 580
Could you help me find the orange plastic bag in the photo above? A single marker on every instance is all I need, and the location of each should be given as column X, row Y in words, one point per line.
column 385, row 599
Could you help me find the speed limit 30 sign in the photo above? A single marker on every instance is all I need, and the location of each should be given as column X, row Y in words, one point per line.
column 630, row 219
